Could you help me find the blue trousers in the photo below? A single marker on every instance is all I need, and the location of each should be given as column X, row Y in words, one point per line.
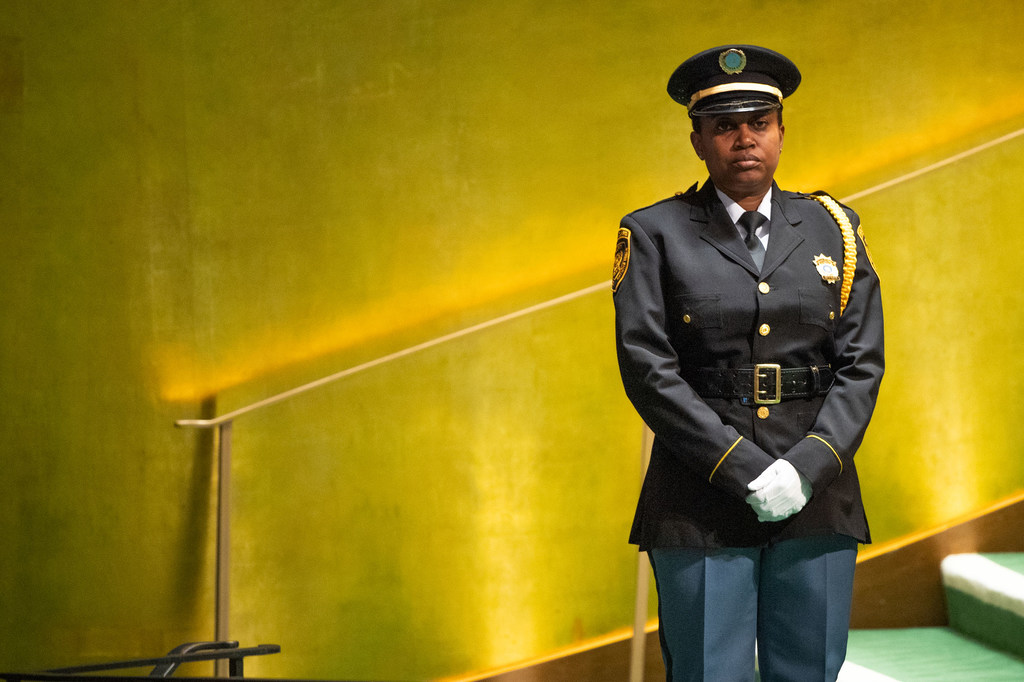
column 789, row 602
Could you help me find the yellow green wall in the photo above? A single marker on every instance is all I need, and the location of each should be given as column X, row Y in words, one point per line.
column 205, row 203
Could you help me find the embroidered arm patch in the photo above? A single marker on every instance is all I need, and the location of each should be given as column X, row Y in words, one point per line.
column 621, row 258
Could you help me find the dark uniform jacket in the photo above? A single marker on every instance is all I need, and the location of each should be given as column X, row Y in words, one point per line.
column 688, row 296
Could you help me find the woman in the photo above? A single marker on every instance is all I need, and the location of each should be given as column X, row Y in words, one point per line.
column 749, row 332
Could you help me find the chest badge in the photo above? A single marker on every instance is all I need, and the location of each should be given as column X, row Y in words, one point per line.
column 826, row 267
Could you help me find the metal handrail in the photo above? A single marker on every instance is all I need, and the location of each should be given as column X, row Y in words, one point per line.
column 305, row 388
column 266, row 402
column 224, row 422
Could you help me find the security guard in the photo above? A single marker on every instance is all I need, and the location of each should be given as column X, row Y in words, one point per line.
column 749, row 334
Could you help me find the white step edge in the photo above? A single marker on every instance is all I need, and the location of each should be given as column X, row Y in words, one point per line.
column 851, row 672
column 985, row 580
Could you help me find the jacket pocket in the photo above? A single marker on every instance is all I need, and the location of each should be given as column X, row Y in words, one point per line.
column 818, row 307
column 698, row 311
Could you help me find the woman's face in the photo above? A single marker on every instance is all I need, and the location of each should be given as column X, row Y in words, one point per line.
column 741, row 151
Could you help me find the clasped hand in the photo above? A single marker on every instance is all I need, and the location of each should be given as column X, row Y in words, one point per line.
column 779, row 492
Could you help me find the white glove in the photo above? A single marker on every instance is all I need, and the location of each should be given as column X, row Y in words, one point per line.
column 779, row 492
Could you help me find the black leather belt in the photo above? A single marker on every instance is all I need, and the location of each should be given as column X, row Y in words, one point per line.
column 765, row 384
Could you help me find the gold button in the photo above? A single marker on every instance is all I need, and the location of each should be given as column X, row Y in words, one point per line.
column 765, row 330
column 686, row 319
column 763, row 287
column 762, row 412
column 832, row 315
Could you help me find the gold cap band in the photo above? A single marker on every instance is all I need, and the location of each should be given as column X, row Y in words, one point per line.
column 734, row 87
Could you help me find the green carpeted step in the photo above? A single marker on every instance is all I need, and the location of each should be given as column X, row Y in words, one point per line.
column 985, row 598
column 925, row 655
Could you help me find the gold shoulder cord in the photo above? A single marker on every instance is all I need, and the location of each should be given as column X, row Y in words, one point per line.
column 849, row 246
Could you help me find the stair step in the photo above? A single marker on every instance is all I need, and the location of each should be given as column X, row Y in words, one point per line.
column 934, row 654
column 985, row 598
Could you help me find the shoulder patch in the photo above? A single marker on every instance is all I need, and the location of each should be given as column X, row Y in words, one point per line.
column 621, row 258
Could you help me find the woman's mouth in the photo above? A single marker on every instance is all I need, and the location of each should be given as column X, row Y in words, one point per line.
column 747, row 163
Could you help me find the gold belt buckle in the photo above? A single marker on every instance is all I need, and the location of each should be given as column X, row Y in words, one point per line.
column 762, row 371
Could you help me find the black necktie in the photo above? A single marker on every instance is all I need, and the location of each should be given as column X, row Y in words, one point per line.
column 750, row 221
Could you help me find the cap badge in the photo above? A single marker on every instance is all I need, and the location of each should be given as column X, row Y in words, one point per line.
column 732, row 61
column 826, row 267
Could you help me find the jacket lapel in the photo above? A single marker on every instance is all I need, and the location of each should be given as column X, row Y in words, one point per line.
column 784, row 237
column 719, row 230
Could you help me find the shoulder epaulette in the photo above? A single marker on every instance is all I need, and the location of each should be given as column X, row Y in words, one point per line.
column 693, row 188
column 849, row 243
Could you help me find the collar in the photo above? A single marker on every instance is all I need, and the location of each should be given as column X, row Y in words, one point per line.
column 735, row 210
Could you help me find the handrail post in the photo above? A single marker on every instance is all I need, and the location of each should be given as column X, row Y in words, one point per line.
column 638, row 646
column 223, row 592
